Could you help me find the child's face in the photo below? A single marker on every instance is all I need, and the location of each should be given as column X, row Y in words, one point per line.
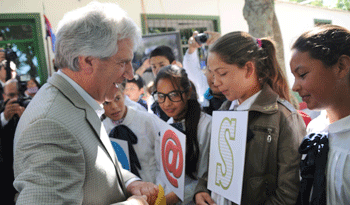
column 133, row 91
column 210, row 80
column 231, row 80
column 157, row 62
column 31, row 84
column 314, row 82
column 115, row 109
column 171, row 109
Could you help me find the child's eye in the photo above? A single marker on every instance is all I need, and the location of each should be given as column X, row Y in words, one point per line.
column 303, row 75
column 106, row 103
column 222, row 74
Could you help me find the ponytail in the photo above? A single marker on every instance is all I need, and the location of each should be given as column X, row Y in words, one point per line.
column 269, row 71
column 240, row 47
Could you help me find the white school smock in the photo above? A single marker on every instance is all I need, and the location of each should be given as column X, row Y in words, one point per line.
column 338, row 162
column 146, row 127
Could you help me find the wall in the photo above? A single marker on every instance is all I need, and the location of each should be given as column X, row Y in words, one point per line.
column 293, row 18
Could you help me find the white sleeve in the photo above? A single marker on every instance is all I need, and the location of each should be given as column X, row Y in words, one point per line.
column 3, row 120
column 195, row 74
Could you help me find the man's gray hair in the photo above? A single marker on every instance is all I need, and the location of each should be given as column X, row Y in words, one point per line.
column 93, row 30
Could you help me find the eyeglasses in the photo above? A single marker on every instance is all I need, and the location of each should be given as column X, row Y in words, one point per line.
column 174, row 96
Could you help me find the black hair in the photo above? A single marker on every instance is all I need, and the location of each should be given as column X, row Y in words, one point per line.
column 35, row 81
column 165, row 51
column 137, row 80
column 180, row 81
column 240, row 47
column 325, row 43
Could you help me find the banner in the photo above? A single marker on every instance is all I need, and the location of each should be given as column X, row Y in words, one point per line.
column 227, row 153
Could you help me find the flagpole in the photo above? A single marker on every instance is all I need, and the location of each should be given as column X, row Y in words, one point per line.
column 49, row 69
column 48, row 53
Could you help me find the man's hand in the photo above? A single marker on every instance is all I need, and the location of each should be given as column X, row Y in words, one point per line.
column 138, row 200
column 12, row 108
column 140, row 188
column 203, row 198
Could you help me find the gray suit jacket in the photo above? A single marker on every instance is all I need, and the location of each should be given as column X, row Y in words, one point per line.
column 62, row 154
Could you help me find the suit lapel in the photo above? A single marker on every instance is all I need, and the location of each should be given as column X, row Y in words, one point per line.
column 67, row 89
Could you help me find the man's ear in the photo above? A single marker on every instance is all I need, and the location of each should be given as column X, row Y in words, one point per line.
column 343, row 66
column 250, row 68
column 86, row 64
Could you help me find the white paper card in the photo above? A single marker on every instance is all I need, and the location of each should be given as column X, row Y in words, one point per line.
column 227, row 153
column 122, row 150
column 172, row 162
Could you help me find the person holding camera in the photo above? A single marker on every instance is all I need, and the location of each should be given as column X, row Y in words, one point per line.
column 192, row 66
column 11, row 109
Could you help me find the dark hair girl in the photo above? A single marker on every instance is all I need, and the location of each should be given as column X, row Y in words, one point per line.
column 174, row 93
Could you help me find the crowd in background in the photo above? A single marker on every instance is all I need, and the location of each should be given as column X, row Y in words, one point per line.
column 241, row 74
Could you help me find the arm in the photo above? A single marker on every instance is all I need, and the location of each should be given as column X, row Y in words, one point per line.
column 292, row 130
column 48, row 164
column 202, row 196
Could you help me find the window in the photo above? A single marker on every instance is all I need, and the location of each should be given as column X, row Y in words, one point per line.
column 23, row 34
column 322, row 21
column 185, row 24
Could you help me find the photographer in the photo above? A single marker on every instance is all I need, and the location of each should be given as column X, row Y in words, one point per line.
column 11, row 109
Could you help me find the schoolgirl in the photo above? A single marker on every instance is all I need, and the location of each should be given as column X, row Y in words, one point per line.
column 321, row 65
column 246, row 71
column 174, row 93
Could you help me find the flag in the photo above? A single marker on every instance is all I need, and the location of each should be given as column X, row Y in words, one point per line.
column 49, row 32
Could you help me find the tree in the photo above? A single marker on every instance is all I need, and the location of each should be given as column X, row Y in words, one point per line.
column 343, row 4
column 262, row 21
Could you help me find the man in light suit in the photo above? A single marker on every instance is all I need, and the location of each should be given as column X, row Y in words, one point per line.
column 62, row 153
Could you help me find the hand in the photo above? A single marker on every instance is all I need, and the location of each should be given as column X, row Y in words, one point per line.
column 213, row 36
column 171, row 198
column 192, row 43
column 139, row 188
column 203, row 198
column 12, row 108
column 139, row 200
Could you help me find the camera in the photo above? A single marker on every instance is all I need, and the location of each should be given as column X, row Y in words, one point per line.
column 10, row 55
column 201, row 38
column 23, row 101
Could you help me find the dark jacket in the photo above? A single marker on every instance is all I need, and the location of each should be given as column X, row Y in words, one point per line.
column 271, row 170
